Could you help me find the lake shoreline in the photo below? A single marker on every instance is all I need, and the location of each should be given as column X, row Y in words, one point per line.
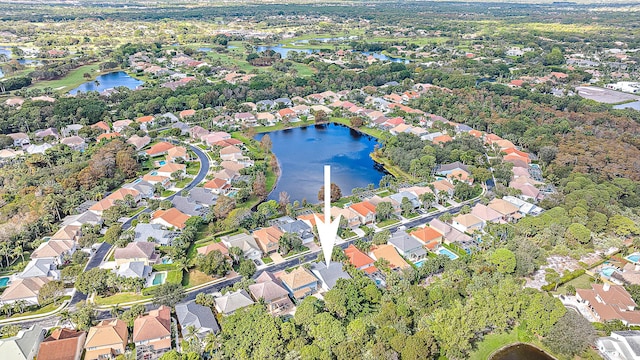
column 505, row 347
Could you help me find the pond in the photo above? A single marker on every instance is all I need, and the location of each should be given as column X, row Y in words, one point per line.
column 302, row 153
column 281, row 50
column 521, row 352
column 108, row 81
column 383, row 57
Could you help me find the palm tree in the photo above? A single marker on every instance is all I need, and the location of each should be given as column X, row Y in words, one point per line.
column 427, row 199
column 115, row 310
column 7, row 309
column 442, row 197
column 20, row 305
column 4, row 250
column 18, row 251
column 211, row 342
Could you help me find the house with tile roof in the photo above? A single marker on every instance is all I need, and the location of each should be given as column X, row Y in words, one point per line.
column 246, row 242
column 20, row 139
column 300, row 283
column 139, row 142
column 407, row 246
column 232, row 301
column 360, row 260
column 218, row 186
column 137, row 251
column 197, row 132
column 41, row 268
column 329, row 275
column 171, row 218
column 102, row 126
column 427, row 235
column 68, row 232
column 108, row 136
column 160, row 148
column 120, row 125
column 107, row 339
column 467, row 223
column 268, row 239
column 366, row 211
column 443, row 185
column 24, row 289
column 610, row 302
column 449, row 233
column 353, row 218
column 54, row 249
column 146, row 122
column 24, row 345
column 215, row 246
column 170, row 168
column 486, row 213
column 152, row 333
column 74, row 142
column 390, row 254
column 460, row 175
column 508, row 211
column 177, row 152
column 198, row 316
column 86, row 217
column 62, row 344
column 298, row 227
column 270, row 289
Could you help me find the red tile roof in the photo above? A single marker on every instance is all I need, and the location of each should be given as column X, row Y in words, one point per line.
column 356, row 257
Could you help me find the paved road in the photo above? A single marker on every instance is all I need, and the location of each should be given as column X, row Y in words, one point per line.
column 94, row 261
column 204, row 170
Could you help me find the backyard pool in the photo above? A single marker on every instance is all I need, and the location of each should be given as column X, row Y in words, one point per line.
column 449, row 254
column 232, row 193
column 162, row 162
column 154, row 173
column 4, row 281
column 634, row 258
column 159, row 278
column 166, row 260
column 419, row 263
column 607, row 271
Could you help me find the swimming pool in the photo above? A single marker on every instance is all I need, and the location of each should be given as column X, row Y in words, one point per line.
column 419, row 263
column 607, row 271
column 634, row 258
column 159, row 278
column 154, row 173
column 4, row 281
column 449, row 254
column 166, row 260
column 162, row 162
column 232, row 193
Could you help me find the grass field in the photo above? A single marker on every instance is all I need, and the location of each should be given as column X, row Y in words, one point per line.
column 42, row 310
column 71, row 81
column 196, row 277
column 387, row 222
column 583, row 281
column 120, row 298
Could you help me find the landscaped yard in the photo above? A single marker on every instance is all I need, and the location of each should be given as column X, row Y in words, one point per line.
column 583, row 281
column 42, row 310
column 167, row 193
column 196, row 277
column 412, row 215
column 193, row 167
column 120, row 298
column 267, row 260
column 72, row 80
column 387, row 222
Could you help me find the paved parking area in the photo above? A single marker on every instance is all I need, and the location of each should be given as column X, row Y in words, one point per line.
column 603, row 95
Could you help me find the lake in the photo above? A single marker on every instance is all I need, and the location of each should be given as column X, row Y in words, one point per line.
column 108, row 81
column 521, row 352
column 284, row 52
column 303, row 152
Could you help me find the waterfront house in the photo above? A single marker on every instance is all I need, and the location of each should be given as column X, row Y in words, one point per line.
column 366, row 211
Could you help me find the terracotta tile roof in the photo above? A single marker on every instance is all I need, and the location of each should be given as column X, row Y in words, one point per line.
column 153, row 326
column 298, row 278
column 108, row 136
column 216, row 184
column 490, row 138
column 504, row 144
column 467, row 220
column 389, row 253
column 135, row 250
column 459, row 175
column 485, row 213
column 357, row 258
column 442, row 139
column 269, row 290
column 177, row 151
column 213, row 247
column 172, row 167
column 62, row 344
column 145, row 119
column 311, row 218
column 266, row 236
column 516, row 157
column 121, row 193
column 172, row 216
column 159, row 148
column 24, row 288
column 230, row 150
column 475, row 133
column 101, row 125
column 442, row 185
column 426, row 234
column 184, row 113
column 107, row 332
column 286, row 112
column 68, row 232
column 363, row 208
column 515, row 151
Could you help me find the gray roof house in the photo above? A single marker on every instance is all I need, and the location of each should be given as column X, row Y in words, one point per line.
column 623, row 345
column 233, row 301
column 405, row 194
column 283, row 101
column 329, row 275
column 201, row 317
column 134, row 269
column 40, row 267
column 145, row 188
column 407, row 246
column 187, row 206
column 24, row 345
column 168, row 116
column 446, row 169
column 299, row 227
column 203, row 196
column 87, row 217
column 71, row 129
column 265, row 105
column 269, row 288
column 245, row 242
column 184, row 128
column 143, row 232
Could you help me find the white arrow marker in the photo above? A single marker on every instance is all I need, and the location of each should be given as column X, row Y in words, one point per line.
column 327, row 230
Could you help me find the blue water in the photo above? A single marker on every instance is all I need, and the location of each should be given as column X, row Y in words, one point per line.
column 303, row 152
column 108, row 81
column 204, row 49
column 449, row 254
column 4, row 281
column 158, row 279
column 162, row 163
column 154, row 173
column 232, row 193
column 166, row 260
column 383, row 57
column 282, row 51
column 608, row 271
column 419, row 263
column 633, row 258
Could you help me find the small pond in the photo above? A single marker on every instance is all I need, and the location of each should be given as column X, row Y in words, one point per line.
column 108, row 81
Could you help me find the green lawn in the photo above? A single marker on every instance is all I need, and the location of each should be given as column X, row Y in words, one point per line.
column 183, row 183
column 412, row 215
column 42, row 310
column 376, row 133
column 167, row 193
column 492, row 343
column 72, row 80
column 193, row 167
column 282, row 126
column 384, row 193
column 196, row 277
column 267, row 260
column 583, row 281
column 120, row 298
column 174, row 277
column 387, row 222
